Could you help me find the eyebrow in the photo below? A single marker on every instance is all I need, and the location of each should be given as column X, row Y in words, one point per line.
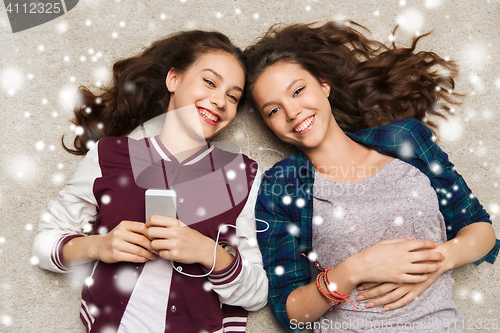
column 287, row 88
column 221, row 78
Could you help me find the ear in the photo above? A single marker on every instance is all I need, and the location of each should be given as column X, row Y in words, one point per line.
column 326, row 87
column 172, row 79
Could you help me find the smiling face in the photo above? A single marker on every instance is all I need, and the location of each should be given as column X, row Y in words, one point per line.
column 210, row 89
column 294, row 104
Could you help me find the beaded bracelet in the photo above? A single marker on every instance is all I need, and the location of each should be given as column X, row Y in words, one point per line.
column 336, row 300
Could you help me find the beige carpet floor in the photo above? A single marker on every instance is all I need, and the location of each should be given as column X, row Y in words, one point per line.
column 41, row 67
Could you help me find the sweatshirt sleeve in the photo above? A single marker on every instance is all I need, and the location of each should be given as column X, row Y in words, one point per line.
column 69, row 215
column 244, row 282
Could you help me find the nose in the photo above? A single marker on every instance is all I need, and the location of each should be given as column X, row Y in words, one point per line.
column 292, row 111
column 218, row 99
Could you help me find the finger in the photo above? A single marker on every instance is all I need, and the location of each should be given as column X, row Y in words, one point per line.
column 129, row 248
column 166, row 254
column 417, row 278
column 420, row 244
column 140, row 240
column 422, row 268
column 377, row 291
column 137, row 227
column 163, row 244
column 367, row 285
column 128, row 257
column 391, row 241
column 389, row 298
column 161, row 233
column 162, row 221
column 401, row 302
column 426, row 256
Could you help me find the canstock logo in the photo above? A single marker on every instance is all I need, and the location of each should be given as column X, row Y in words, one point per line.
column 28, row 14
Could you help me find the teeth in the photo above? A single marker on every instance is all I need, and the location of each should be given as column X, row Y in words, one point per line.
column 304, row 125
column 208, row 115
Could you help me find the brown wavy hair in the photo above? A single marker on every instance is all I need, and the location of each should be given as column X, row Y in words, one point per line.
column 371, row 84
column 138, row 92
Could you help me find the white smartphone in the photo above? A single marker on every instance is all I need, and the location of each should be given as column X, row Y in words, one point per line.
column 161, row 202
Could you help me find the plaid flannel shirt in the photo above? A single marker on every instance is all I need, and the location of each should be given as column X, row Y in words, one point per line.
column 286, row 203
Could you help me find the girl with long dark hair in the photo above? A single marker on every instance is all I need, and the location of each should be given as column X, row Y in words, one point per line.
column 368, row 189
column 182, row 273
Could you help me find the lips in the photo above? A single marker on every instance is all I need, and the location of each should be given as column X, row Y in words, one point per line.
column 304, row 125
column 210, row 117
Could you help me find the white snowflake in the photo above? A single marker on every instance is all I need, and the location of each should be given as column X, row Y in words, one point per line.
column 435, row 167
column 6, row 320
column 300, row 202
column 432, row 4
column 494, row 208
column 102, row 73
column 12, row 80
column 293, row 229
column 103, row 230
column 39, row 145
column 406, row 150
column 201, row 211
column 231, row 175
column 90, row 144
column 29, row 227
column 89, row 281
column 207, row 286
column 339, row 212
column 79, row 130
column 287, row 200
column 62, row 27
column 66, row 96
column 34, row 260
column 332, row 286
column 279, row 270
column 474, row 56
column 398, row 221
column 94, row 310
column 126, row 279
column 105, row 199
column 318, row 220
column 477, row 297
column 256, row 16
column 313, row 256
column 412, row 20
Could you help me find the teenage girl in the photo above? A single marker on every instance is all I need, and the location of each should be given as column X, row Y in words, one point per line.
column 163, row 274
column 363, row 206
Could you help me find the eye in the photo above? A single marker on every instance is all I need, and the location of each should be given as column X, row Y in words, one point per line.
column 273, row 111
column 209, row 82
column 234, row 98
column 296, row 92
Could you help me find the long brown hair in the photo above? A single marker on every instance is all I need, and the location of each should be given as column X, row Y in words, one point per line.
column 371, row 84
column 138, row 92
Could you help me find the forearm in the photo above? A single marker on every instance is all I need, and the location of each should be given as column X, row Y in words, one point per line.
column 81, row 250
column 471, row 243
column 243, row 283
column 223, row 258
column 307, row 304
